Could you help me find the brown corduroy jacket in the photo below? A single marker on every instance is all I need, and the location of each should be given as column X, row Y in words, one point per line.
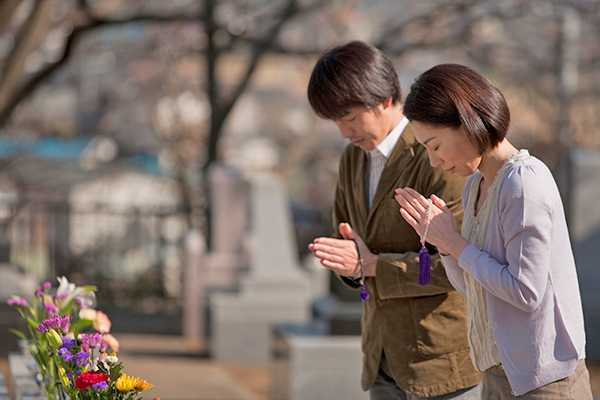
column 421, row 329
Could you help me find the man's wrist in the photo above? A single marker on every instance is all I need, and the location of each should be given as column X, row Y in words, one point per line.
column 370, row 265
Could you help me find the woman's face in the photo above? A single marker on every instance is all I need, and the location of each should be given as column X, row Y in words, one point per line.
column 449, row 148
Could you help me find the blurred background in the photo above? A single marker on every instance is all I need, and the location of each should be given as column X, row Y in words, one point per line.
column 138, row 136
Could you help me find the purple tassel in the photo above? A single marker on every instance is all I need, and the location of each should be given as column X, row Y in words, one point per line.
column 424, row 266
column 363, row 293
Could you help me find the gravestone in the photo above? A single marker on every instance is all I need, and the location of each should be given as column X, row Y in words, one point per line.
column 317, row 367
column 275, row 290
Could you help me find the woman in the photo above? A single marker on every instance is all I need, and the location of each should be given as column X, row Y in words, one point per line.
column 513, row 261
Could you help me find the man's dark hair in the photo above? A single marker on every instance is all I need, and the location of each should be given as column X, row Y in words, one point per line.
column 451, row 95
column 351, row 75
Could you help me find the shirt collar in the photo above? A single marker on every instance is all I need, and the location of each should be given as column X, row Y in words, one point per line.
column 389, row 142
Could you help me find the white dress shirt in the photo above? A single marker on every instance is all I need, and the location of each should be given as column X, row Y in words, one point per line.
column 378, row 158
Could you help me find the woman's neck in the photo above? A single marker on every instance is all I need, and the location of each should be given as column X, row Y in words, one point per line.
column 493, row 159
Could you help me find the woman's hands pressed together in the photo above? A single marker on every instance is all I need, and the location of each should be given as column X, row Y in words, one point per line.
column 442, row 231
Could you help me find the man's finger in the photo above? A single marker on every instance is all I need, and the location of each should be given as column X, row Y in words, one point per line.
column 338, row 243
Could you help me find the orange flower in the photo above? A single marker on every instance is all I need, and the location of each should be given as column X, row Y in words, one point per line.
column 143, row 385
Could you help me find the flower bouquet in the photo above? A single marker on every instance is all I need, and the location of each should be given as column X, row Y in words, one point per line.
column 74, row 365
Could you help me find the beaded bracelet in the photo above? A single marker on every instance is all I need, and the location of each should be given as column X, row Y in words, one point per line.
column 359, row 263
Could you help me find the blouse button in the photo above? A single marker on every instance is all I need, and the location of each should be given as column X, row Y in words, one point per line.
column 514, row 393
column 501, row 367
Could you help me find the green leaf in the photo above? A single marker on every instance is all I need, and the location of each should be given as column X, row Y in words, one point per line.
column 82, row 323
column 67, row 309
column 115, row 372
column 32, row 322
column 19, row 334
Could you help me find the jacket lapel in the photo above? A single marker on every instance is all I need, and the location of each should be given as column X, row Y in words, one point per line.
column 360, row 187
column 403, row 149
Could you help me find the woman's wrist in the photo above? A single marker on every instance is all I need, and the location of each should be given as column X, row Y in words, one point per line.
column 455, row 246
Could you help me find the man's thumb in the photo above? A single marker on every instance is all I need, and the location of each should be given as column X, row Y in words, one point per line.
column 346, row 231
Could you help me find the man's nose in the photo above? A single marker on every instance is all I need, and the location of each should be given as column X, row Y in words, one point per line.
column 346, row 132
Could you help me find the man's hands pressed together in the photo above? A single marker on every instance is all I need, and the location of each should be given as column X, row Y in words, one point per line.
column 340, row 255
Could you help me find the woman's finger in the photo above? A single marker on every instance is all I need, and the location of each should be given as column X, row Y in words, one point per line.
column 411, row 221
column 410, row 200
column 418, row 198
column 438, row 202
column 408, row 207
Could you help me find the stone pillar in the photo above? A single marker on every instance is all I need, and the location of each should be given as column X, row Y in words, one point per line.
column 193, row 318
column 585, row 235
column 229, row 213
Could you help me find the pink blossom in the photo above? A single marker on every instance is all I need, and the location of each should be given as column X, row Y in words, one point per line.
column 111, row 341
column 55, row 322
column 102, row 324
column 16, row 301
column 89, row 340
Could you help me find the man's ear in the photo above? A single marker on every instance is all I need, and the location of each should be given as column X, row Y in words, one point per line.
column 387, row 103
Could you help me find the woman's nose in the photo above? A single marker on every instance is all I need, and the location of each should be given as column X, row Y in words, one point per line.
column 434, row 160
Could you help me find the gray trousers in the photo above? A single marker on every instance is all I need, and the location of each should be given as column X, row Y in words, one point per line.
column 385, row 388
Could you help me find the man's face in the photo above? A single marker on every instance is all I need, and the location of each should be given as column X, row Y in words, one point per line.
column 364, row 127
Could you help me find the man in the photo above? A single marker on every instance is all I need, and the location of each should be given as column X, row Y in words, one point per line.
column 414, row 338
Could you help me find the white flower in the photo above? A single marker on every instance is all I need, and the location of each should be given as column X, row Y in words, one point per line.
column 68, row 291
column 111, row 359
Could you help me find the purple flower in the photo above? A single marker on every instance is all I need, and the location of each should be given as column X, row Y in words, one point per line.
column 16, row 301
column 41, row 290
column 65, row 354
column 55, row 322
column 99, row 385
column 51, row 309
column 81, row 358
column 66, row 343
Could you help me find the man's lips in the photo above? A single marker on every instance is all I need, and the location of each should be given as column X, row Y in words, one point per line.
column 357, row 142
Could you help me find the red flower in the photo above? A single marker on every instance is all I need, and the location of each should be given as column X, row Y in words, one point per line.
column 86, row 379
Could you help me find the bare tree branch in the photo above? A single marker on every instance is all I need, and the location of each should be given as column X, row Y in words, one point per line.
column 95, row 23
column 7, row 9
column 30, row 35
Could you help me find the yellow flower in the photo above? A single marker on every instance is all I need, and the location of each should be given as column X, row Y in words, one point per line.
column 126, row 383
column 143, row 385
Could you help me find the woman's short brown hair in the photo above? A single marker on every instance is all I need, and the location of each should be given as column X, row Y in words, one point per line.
column 451, row 95
column 351, row 75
